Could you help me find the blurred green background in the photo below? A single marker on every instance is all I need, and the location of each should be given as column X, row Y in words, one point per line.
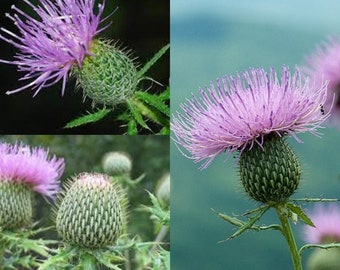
column 84, row 153
column 139, row 26
column 213, row 38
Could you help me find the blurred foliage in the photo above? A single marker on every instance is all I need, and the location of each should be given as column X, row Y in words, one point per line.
column 84, row 153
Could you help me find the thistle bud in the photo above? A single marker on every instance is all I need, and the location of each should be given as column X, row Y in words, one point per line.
column 91, row 214
column 15, row 205
column 270, row 173
column 108, row 76
column 117, row 164
column 327, row 259
column 163, row 189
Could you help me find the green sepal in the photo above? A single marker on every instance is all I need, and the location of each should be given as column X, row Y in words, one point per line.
column 88, row 118
column 299, row 212
column 153, row 60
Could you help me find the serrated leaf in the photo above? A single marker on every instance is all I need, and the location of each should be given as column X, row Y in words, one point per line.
column 153, row 60
column 137, row 116
column 248, row 225
column 164, row 131
column 165, row 95
column 154, row 101
column 132, row 127
column 108, row 259
column 89, row 118
column 152, row 113
column 298, row 210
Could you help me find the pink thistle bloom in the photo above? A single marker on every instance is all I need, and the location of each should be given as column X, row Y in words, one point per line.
column 244, row 109
column 31, row 166
column 324, row 64
column 327, row 225
column 51, row 45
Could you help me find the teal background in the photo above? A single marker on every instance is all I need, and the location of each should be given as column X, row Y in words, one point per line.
column 213, row 38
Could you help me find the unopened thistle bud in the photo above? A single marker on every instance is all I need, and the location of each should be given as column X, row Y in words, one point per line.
column 108, row 76
column 328, row 259
column 91, row 214
column 117, row 164
column 15, row 205
column 163, row 189
column 270, row 173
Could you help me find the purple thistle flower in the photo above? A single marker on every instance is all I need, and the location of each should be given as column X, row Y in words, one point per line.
column 327, row 225
column 31, row 166
column 324, row 64
column 244, row 109
column 52, row 44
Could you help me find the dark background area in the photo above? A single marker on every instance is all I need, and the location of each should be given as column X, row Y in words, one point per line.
column 142, row 26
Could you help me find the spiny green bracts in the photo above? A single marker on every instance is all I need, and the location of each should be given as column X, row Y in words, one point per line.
column 92, row 211
column 270, row 173
column 15, row 205
column 117, row 163
column 108, row 76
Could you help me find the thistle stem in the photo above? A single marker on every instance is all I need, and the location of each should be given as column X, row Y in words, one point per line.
column 288, row 234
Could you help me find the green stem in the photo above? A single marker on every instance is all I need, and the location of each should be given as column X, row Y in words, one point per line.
column 2, row 250
column 288, row 234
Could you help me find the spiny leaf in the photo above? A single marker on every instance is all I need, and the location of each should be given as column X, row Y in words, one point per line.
column 153, row 100
column 165, row 95
column 152, row 113
column 89, row 118
column 298, row 210
column 164, row 131
column 108, row 259
column 245, row 225
column 137, row 116
column 132, row 127
column 153, row 60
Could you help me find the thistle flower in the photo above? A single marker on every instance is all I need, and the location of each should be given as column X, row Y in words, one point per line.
column 92, row 211
column 244, row 110
column 23, row 169
column 250, row 114
column 32, row 167
column 327, row 225
column 324, row 64
column 327, row 230
column 51, row 45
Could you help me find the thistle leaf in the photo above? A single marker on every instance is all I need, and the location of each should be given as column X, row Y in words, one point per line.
column 137, row 116
column 89, row 118
column 153, row 60
column 299, row 212
column 154, row 101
